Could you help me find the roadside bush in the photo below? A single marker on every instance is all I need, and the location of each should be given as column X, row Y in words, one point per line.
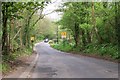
column 103, row 50
column 5, row 67
column 63, row 46
column 7, row 60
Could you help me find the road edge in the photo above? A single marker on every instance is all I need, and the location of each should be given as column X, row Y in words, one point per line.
column 26, row 73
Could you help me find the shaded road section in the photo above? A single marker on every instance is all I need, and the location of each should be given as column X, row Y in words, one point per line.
column 56, row 64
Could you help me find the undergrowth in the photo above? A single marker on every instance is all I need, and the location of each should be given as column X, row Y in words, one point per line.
column 102, row 50
column 8, row 59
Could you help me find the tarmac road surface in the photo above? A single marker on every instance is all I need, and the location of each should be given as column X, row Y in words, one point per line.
column 56, row 64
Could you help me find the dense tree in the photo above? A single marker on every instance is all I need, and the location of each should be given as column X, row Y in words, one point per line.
column 17, row 26
column 91, row 23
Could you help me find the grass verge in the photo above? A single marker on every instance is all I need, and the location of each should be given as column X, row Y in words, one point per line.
column 8, row 60
column 104, row 51
column 62, row 47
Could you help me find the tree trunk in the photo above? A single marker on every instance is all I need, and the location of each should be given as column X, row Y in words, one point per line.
column 21, row 42
column 76, row 35
column 94, row 25
column 117, row 20
column 87, row 31
column 88, row 36
column 4, row 29
column 83, row 37
column 12, row 33
column 0, row 30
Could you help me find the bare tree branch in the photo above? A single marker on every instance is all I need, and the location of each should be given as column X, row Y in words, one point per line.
column 16, row 34
column 49, row 13
column 41, row 17
column 34, row 12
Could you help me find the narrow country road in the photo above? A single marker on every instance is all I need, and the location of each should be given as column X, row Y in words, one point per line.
column 55, row 64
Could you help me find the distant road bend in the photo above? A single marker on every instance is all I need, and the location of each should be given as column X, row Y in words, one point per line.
column 55, row 64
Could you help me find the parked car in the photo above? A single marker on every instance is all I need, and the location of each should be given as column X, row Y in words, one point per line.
column 46, row 40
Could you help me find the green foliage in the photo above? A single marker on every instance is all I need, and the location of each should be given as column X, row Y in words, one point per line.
column 8, row 59
column 45, row 28
column 62, row 46
column 102, row 50
column 1, row 67
column 15, row 44
column 5, row 67
column 108, row 50
column 19, row 24
column 27, row 51
column 17, row 54
column 98, row 23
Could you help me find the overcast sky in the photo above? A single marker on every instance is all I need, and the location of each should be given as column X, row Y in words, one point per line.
column 51, row 7
column 56, row 3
